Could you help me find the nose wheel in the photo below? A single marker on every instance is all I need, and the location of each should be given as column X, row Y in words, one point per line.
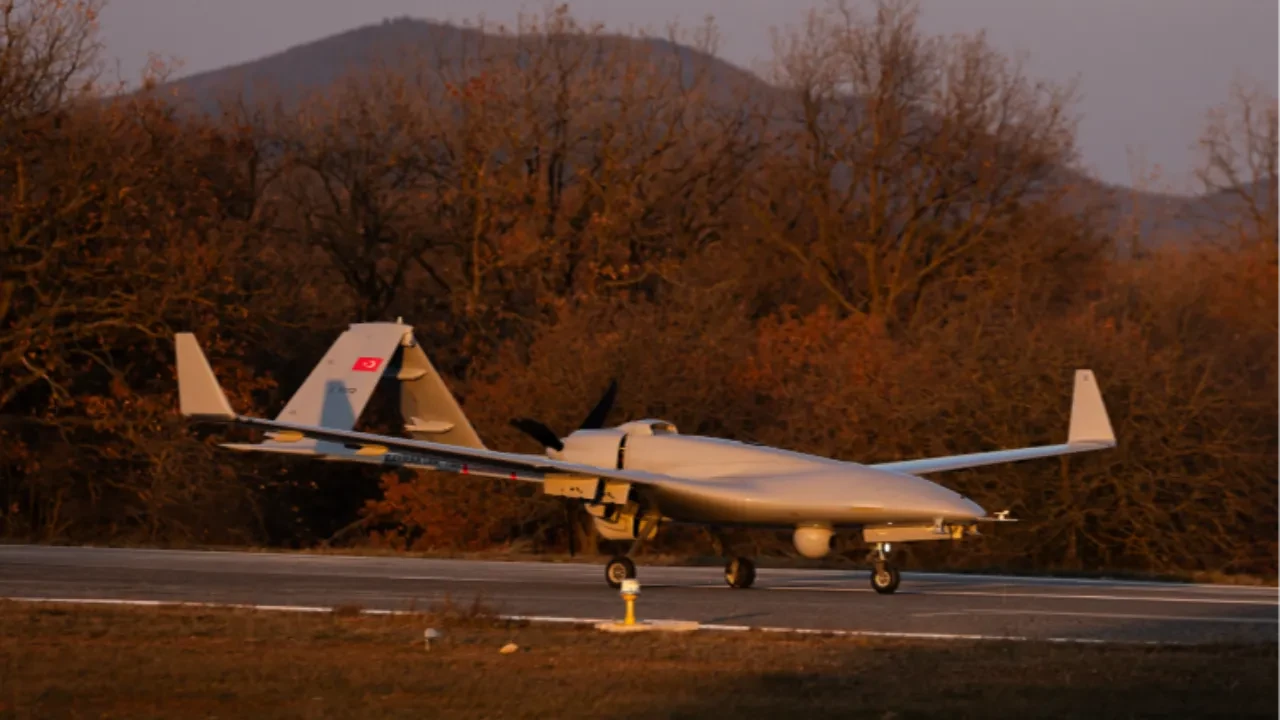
column 740, row 573
column 884, row 577
column 620, row 568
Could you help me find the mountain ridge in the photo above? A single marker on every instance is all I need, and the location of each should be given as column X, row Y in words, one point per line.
column 295, row 71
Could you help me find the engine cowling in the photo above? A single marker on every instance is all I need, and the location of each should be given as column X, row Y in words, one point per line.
column 813, row 541
column 648, row 426
column 591, row 447
column 606, row 447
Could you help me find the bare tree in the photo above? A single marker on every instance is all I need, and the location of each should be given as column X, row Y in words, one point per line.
column 49, row 54
column 1240, row 147
column 905, row 157
column 351, row 175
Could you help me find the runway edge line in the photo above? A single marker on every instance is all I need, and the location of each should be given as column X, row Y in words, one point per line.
column 553, row 619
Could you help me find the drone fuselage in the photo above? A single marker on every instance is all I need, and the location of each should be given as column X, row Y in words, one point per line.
column 730, row 482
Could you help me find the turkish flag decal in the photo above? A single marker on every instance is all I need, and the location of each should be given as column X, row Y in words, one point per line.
column 367, row 364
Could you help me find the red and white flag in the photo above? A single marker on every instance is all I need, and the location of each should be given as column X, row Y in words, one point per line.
column 367, row 364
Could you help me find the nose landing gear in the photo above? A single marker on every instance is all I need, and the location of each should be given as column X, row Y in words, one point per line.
column 619, row 568
column 622, row 567
column 884, row 577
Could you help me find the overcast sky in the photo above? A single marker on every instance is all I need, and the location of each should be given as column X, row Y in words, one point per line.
column 1148, row 69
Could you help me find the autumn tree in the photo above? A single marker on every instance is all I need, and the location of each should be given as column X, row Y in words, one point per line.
column 572, row 171
column 904, row 162
column 485, row 188
column 123, row 222
column 879, row 257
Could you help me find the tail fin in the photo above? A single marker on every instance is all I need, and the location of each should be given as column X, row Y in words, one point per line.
column 337, row 390
column 1089, row 422
column 429, row 409
column 199, row 395
column 340, row 385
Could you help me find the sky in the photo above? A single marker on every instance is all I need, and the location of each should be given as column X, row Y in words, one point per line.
column 1148, row 71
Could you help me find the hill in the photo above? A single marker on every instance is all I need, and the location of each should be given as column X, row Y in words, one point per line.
column 292, row 73
column 289, row 75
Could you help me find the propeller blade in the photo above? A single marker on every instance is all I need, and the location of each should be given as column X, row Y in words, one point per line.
column 595, row 420
column 539, row 432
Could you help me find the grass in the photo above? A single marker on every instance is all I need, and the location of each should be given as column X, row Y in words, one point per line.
column 76, row 661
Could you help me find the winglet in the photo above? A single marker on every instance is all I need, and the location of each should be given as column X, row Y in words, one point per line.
column 1089, row 422
column 199, row 395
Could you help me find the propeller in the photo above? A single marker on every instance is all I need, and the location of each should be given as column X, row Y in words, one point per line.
column 595, row 418
column 539, row 432
column 548, row 438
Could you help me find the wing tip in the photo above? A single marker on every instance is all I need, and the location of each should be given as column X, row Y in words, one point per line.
column 200, row 397
column 1090, row 425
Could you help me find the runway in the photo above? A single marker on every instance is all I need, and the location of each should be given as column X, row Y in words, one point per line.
column 926, row 604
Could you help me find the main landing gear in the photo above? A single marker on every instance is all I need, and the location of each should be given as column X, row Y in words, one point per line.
column 884, row 577
column 740, row 573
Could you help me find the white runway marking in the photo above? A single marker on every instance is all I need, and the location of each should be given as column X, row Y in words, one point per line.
column 1044, row 596
column 1261, row 601
column 591, row 621
column 1124, row 598
column 1127, row 584
column 1117, row 616
column 1013, row 592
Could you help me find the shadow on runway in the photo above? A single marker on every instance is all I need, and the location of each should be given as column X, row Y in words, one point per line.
column 726, row 618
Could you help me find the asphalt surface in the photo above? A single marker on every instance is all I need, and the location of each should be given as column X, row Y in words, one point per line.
column 930, row 604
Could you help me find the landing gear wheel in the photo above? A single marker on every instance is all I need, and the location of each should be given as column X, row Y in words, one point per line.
column 619, row 569
column 884, row 579
column 740, row 572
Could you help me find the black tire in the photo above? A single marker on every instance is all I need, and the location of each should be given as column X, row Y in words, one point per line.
column 619, row 569
column 740, row 573
column 885, row 579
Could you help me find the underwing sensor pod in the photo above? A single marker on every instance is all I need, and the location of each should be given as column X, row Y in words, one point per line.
column 814, row 541
column 631, row 478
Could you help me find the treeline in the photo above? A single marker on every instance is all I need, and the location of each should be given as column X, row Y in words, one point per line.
column 882, row 254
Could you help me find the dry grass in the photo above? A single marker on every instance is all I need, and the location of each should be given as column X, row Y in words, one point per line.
column 75, row 661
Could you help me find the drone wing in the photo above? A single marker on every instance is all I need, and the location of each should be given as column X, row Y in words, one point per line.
column 1090, row 429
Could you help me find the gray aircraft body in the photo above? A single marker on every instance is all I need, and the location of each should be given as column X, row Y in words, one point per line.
column 634, row 477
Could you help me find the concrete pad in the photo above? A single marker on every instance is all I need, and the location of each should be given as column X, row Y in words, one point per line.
column 618, row 626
